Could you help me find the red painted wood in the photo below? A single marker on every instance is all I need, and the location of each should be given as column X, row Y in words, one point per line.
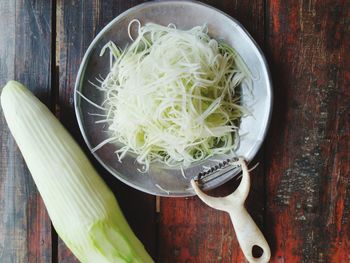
column 307, row 164
column 25, row 55
column 191, row 231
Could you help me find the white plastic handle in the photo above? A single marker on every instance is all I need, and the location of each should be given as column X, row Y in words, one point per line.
column 247, row 232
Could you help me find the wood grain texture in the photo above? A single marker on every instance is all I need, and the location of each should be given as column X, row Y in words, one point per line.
column 25, row 55
column 304, row 166
column 190, row 231
column 78, row 23
column 308, row 157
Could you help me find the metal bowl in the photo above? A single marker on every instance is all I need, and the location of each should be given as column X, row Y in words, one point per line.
column 160, row 180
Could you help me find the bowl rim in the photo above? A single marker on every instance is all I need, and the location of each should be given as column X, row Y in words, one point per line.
column 84, row 61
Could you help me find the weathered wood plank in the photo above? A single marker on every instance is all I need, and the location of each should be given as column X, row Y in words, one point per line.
column 191, row 231
column 25, row 55
column 75, row 34
column 308, row 157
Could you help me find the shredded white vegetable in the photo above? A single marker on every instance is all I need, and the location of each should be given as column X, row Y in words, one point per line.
column 172, row 96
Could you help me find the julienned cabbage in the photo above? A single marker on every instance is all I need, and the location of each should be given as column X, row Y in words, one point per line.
column 172, row 96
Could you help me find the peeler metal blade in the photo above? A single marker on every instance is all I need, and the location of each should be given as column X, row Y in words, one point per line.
column 222, row 171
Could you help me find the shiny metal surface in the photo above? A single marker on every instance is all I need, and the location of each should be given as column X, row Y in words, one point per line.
column 161, row 180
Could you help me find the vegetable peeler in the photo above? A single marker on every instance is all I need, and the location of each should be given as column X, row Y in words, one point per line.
column 248, row 234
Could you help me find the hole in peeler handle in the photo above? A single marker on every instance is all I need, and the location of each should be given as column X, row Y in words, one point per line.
column 257, row 251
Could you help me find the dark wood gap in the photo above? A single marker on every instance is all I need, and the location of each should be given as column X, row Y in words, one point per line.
column 157, row 238
column 54, row 67
column 54, row 244
column 264, row 157
column 53, row 103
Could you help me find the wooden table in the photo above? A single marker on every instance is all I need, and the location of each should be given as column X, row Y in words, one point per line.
column 301, row 190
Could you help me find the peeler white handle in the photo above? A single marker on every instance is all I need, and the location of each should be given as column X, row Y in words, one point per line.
column 247, row 232
column 249, row 235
